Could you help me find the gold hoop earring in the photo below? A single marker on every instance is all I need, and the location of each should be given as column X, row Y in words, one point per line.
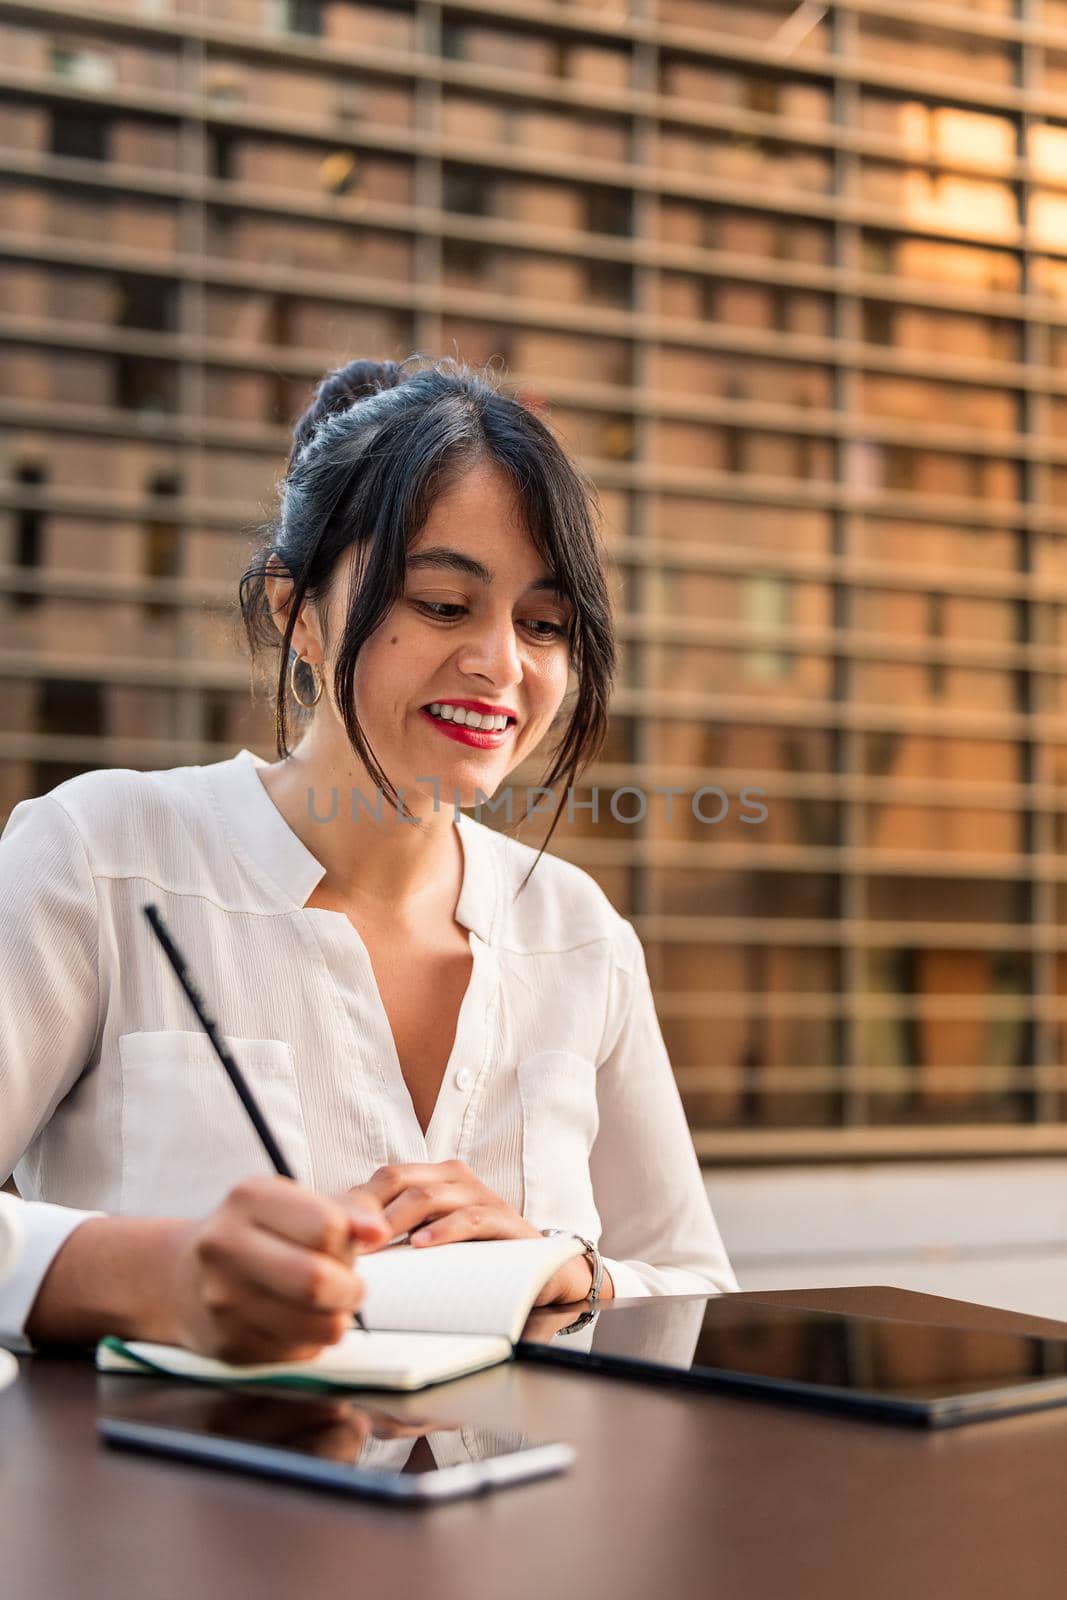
column 316, row 678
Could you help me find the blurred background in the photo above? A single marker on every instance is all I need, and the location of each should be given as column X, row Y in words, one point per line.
column 792, row 282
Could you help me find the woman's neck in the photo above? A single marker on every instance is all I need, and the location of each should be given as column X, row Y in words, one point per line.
column 389, row 866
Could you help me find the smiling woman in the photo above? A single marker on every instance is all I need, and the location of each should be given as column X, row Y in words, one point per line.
column 449, row 633
column 450, row 1044
column 428, row 493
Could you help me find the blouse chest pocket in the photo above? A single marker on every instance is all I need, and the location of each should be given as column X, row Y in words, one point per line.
column 560, row 1118
column 186, row 1137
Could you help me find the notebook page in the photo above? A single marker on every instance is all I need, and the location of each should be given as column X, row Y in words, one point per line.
column 365, row 1360
column 476, row 1286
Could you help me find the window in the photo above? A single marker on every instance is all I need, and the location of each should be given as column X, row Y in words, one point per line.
column 765, row 607
column 69, row 705
column 467, row 191
column 224, row 718
column 298, row 16
column 161, row 551
column 145, row 303
column 142, row 384
column 83, row 134
column 465, row 262
column 608, row 283
column 221, row 149
column 607, row 211
column 339, row 172
column 90, row 69
column 28, row 533
column 48, row 774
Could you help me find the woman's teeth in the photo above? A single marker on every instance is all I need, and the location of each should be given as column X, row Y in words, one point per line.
column 468, row 719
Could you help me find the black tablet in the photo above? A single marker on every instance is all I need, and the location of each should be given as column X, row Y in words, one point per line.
column 917, row 1372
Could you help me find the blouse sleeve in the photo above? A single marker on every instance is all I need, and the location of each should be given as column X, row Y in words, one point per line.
column 659, row 1234
column 49, row 1000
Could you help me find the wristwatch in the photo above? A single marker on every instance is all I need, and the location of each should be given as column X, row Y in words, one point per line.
column 590, row 1250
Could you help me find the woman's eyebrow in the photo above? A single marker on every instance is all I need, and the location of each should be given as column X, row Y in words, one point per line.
column 443, row 556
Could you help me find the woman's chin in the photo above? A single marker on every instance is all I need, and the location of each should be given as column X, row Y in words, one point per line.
column 466, row 793
column 459, row 788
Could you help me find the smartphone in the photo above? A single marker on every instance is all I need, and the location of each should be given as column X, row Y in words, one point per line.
column 333, row 1441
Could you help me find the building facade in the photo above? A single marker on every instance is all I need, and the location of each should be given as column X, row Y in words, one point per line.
column 792, row 282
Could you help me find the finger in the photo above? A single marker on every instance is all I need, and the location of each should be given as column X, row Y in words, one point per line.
column 343, row 1443
column 272, row 1264
column 265, row 1329
column 423, row 1202
column 241, row 1345
column 296, row 1213
column 474, row 1222
column 368, row 1225
column 390, row 1181
column 390, row 1428
column 385, row 1184
column 341, row 1439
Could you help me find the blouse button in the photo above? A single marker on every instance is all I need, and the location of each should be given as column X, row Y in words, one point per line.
column 463, row 1078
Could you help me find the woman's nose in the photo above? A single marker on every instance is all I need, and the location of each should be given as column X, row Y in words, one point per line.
column 491, row 650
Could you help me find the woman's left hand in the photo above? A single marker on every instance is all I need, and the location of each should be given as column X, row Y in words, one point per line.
column 441, row 1202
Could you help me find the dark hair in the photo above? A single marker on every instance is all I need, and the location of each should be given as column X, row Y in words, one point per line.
column 374, row 449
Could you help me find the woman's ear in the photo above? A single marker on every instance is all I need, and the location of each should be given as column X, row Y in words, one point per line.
column 278, row 585
column 278, row 589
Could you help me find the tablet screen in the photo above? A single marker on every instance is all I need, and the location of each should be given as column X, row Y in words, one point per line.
column 945, row 1372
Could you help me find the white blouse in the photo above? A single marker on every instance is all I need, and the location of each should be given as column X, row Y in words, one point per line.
column 558, row 1093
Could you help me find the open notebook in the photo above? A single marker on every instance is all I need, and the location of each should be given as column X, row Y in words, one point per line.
column 433, row 1313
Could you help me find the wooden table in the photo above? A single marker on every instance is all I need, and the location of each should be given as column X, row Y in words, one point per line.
column 676, row 1495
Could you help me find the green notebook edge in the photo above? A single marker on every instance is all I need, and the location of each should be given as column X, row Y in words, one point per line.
column 139, row 1366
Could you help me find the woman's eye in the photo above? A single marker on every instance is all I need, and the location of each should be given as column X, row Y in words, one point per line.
column 444, row 610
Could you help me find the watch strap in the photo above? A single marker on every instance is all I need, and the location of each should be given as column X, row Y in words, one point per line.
column 590, row 1249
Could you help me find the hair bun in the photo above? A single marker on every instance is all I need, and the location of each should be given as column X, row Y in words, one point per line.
column 340, row 389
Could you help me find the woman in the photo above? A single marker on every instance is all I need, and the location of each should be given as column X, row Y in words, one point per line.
column 447, row 1042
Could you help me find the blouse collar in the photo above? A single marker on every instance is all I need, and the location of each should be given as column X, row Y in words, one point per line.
column 263, row 832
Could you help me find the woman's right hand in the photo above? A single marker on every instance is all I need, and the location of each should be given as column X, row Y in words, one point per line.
column 269, row 1274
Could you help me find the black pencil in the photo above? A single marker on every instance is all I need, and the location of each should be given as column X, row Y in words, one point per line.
column 233, row 1071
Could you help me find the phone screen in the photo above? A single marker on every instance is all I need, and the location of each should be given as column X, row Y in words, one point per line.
column 322, row 1428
